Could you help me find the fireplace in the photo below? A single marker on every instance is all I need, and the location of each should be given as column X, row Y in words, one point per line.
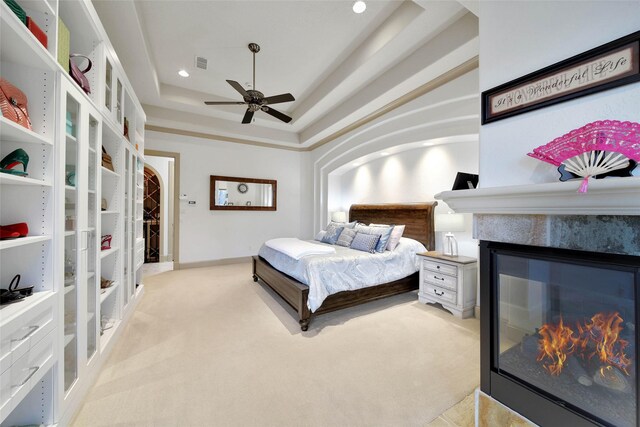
column 560, row 333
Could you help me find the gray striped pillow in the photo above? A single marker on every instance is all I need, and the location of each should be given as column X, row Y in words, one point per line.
column 346, row 237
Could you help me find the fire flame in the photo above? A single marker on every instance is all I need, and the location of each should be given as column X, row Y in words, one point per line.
column 598, row 336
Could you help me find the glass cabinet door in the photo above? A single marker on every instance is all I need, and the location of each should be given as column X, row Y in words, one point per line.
column 81, row 135
column 71, row 254
column 119, row 97
column 92, row 241
column 108, row 81
column 127, row 227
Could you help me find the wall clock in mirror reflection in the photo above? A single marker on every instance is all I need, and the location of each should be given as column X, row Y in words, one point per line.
column 243, row 188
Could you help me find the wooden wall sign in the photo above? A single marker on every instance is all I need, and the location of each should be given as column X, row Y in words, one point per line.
column 611, row 65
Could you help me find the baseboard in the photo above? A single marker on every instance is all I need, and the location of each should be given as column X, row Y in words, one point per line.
column 476, row 312
column 211, row 263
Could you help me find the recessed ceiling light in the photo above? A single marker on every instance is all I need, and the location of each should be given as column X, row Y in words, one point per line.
column 356, row 164
column 384, row 153
column 183, row 73
column 428, row 144
column 359, row 6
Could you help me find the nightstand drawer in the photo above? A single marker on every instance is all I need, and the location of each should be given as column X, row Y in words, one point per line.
column 441, row 294
column 440, row 280
column 440, row 267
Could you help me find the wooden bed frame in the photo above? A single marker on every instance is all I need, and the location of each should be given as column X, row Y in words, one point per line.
column 418, row 221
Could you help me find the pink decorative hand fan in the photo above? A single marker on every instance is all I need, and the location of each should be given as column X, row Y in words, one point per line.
column 595, row 149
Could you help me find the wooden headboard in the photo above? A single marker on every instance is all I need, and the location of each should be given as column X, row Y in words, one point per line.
column 417, row 217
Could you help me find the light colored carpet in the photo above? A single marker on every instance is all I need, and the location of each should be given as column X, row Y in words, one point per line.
column 208, row 347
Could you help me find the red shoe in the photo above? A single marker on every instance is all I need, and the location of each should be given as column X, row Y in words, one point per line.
column 106, row 242
column 13, row 231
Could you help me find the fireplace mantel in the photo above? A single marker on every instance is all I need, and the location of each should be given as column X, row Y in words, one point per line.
column 610, row 196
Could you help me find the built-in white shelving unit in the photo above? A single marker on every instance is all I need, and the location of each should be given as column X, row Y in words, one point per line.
column 65, row 330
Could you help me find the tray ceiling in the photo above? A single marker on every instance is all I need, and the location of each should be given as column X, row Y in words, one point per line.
column 340, row 66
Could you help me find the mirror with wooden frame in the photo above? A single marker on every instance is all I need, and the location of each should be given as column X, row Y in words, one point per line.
column 230, row 193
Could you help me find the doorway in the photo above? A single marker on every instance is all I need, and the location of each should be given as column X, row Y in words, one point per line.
column 161, row 221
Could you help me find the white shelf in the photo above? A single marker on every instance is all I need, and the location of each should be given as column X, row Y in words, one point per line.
column 8, row 179
column 11, row 311
column 19, row 46
column 107, row 252
column 108, row 172
column 71, row 138
column 108, row 292
column 109, row 212
column 12, row 132
column 68, row 338
column 69, row 233
column 69, row 288
column 22, row 241
column 69, row 188
column 92, row 150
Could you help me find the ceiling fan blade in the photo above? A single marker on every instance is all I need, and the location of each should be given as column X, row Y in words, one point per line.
column 237, row 86
column 277, row 114
column 224, row 102
column 277, row 99
column 247, row 117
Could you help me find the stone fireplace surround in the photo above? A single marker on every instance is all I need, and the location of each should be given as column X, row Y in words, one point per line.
column 606, row 219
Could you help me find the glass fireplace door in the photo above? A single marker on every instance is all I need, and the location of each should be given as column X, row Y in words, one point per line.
column 568, row 329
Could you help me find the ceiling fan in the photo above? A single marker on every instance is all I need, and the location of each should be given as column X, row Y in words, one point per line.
column 255, row 100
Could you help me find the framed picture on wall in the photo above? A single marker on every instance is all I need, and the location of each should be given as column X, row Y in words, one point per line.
column 611, row 65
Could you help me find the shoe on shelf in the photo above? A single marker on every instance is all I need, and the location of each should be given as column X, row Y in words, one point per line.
column 106, row 242
column 105, row 283
column 8, row 297
column 14, row 159
column 13, row 287
column 13, row 231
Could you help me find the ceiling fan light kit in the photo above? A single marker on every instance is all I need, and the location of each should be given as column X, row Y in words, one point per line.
column 254, row 99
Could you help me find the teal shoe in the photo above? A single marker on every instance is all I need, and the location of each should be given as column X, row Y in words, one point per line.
column 13, row 159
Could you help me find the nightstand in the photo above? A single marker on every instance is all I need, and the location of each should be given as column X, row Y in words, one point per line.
column 450, row 281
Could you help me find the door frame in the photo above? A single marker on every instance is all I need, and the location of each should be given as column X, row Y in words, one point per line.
column 176, row 205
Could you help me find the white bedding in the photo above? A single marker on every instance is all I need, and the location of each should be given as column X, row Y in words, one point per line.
column 346, row 269
column 296, row 248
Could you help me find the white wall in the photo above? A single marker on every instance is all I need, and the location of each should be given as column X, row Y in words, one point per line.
column 207, row 235
column 410, row 176
column 162, row 165
column 517, row 38
column 447, row 114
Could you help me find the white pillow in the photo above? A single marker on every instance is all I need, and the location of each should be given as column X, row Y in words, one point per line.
column 320, row 235
column 394, row 239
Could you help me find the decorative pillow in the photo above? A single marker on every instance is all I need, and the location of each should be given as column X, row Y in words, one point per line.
column 346, row 237
column 332, row 233
column 320, row 235
column 394, row 239
column 365, row 242
column 383, row 232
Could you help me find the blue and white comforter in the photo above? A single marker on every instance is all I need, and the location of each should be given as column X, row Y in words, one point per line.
column 347, row 269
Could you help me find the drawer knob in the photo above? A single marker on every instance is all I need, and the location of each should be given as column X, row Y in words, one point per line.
column 438, row 278
column 438, row 267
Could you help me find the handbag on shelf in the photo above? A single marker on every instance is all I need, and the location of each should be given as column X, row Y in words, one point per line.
column 13, row 103
column 15, row 8
column 77, row 74
column 106, row 160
